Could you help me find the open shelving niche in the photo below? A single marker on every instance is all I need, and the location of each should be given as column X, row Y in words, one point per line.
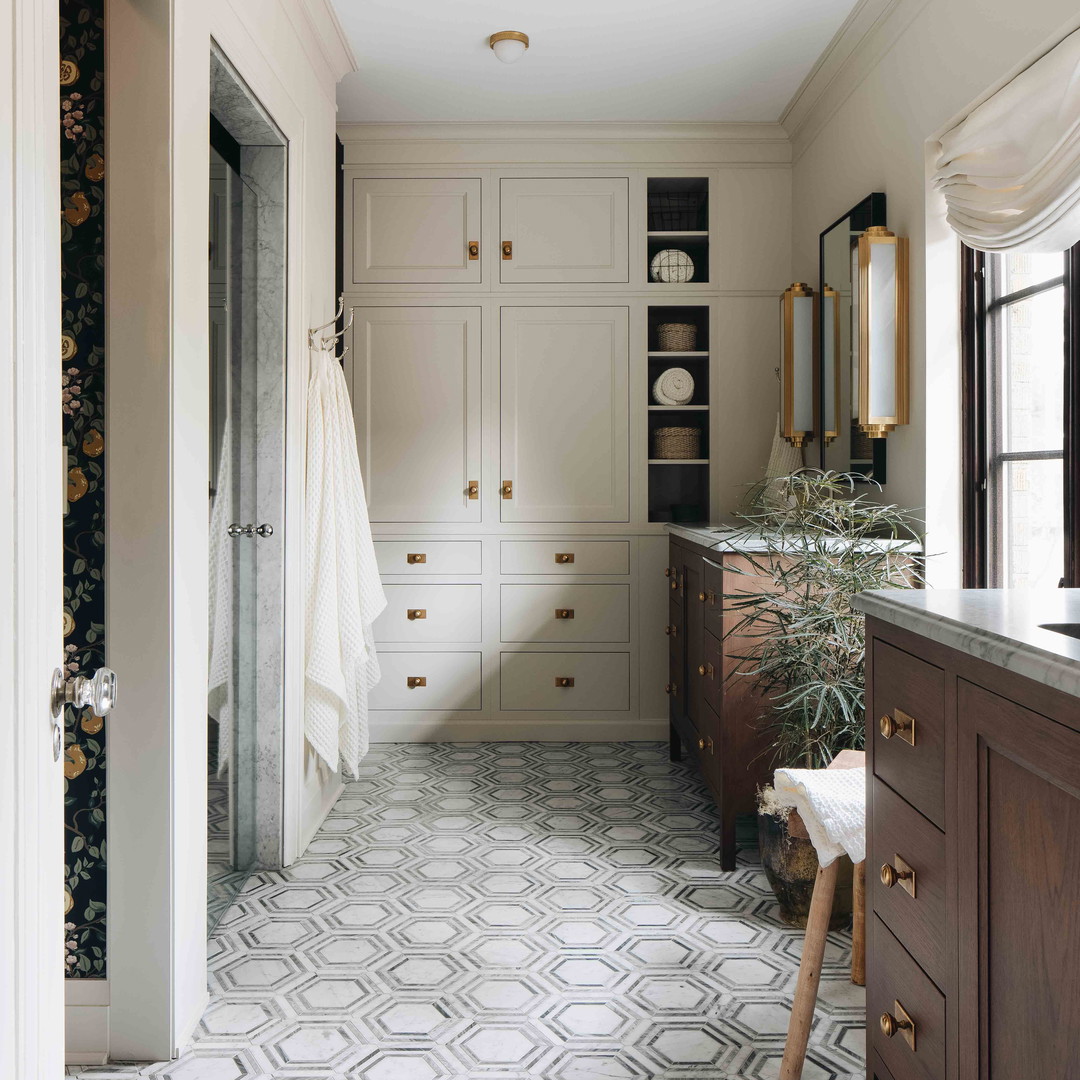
column 679, row 488
column 678, row 217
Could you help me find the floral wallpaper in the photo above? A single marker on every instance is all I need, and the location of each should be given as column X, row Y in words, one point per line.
column 82, row 184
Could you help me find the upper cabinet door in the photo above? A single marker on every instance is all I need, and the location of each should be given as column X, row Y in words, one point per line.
column 416, row 400
column 413, row 231
column 564, row 229
column 565, row 414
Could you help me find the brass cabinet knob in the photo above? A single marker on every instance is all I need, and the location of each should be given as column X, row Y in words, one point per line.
column 564, row 613
column 898, row 1021
column 563, row 681
column 701, row 597
column 508, row 249
column 413, row 681
column 898, row 723
column 415, row 557
column 507, row 489
column 898, row 873
column 474, row 250
column 674, row 584
column 474, row 489
column 701, row 669
column 701, row 744
column 563, row 557
column 670, row 688
column 888, row 875
column 668, row 571
column 672, row 630
column 415, row 613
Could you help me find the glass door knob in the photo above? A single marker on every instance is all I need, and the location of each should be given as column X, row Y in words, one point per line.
column 97, row 693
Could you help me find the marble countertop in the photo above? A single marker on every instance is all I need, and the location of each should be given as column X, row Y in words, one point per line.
column 726, row 536
column 1001, row 626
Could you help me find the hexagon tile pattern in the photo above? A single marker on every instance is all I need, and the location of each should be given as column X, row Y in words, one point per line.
column 512, row 911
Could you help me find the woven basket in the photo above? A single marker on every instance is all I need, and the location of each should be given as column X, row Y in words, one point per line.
column 676, row 337
column 677, row 442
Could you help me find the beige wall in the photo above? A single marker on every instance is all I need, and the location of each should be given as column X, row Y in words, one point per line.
column 922, row 64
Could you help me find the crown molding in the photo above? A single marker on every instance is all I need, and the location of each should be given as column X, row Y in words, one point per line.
column 561, row 131
column 322, row 21
column 866, row 35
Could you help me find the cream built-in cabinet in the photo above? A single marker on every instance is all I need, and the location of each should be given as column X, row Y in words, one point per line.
column 500, row 360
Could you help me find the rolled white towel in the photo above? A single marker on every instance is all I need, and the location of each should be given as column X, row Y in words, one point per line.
column 674, row 387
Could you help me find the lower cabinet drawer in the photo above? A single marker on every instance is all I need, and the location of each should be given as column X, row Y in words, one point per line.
column 565, row 682
column 902, row 842
column 565, row 612
column 565, row 556
column 419, row 557
column 422, row 613
column 428, row 680
column 898, row 991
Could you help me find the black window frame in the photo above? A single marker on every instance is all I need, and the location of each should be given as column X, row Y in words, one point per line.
column 976, row 394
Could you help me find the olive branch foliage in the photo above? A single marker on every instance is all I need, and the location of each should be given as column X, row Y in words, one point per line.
column 818, row 543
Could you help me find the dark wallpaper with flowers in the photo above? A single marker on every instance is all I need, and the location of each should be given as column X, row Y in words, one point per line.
column 82, row 185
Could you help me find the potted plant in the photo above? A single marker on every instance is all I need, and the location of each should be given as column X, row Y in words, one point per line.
column 817, row 544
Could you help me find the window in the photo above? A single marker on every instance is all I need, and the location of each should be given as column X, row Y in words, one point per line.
column 1020, row 375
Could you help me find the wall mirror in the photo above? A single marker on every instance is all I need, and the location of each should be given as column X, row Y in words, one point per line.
column 843, row 447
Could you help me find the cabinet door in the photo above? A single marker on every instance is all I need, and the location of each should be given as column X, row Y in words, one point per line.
column 565, row 414
column 413, row 231
column 564, row 229
column 1018, row 846
column 416, row 399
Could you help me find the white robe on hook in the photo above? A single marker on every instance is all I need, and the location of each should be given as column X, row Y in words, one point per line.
column 344, row 593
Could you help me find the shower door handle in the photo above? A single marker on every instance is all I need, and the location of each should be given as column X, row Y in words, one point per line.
column 236, row 530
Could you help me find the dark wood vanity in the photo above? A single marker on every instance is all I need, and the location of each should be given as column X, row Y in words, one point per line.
column 973, row 861
column 713, row 716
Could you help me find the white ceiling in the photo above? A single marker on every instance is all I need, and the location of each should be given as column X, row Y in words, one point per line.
column 613, row 60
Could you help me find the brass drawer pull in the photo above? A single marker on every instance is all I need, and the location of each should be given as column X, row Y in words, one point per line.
column 508, row 249
column 898, row 723
column 898, row 871
column 417, row 613
column 561, row 680
column 668, row 571
column 413, row 681
column 701, row 597
column 474, row 489
column 474, row 250
column 672, row 630
column 563, row 557
column 670, row 688
column 701, row 744
column 898, row 1020
column 508, row 489
column 705, row 744
column 705, row 670
column 415, row 557
column 564, row 613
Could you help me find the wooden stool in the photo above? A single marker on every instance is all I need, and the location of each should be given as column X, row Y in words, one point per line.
column 817, row 929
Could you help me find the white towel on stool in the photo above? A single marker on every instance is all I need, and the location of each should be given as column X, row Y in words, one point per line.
column 344, row 590
column 832, row 804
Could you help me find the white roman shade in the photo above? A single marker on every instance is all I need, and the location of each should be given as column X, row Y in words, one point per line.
column 1010, row 170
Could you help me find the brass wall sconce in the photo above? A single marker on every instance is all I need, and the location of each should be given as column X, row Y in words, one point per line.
column 880, row 319
column 827, row 395
column 797, row 364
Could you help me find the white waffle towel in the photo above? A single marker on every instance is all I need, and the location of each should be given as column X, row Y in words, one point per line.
column 674, row 387
column 832, row 804
column 344, row 592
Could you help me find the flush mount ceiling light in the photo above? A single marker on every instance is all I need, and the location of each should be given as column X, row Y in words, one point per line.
column 509, row 45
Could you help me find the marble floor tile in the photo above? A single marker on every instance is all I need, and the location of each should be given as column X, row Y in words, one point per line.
column 526, row 911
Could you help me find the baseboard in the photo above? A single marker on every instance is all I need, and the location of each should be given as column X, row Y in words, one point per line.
column 441, row 729
column 86, row 1021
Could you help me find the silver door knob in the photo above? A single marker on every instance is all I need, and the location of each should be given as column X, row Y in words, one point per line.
column 236, row 530
column 99, row 692
column 265, row 530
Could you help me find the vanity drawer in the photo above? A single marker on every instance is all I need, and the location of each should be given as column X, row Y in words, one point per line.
column 714, row 672
column 895, row 978
column 565, row 612
column 451, row 681
column 908, row 722
column 534, row 681
column 917, row 921
column 439, row 556
column 423, row 613
column 565, row 556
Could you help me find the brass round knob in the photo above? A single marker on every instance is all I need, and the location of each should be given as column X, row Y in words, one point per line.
column 672, row 630
column 889, row 1026
column 888, row 726
column 668, row 571
column 670, row 688
column 674, row 584
column 888, row 875
column 701, row 597
column 564, row 558
column 701, row 669
column 701, row 744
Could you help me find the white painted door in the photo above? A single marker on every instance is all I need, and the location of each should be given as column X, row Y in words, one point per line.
column 565, row 414
column 571, row 229
column 31, row 548
column 413, row 231
column 415, row 377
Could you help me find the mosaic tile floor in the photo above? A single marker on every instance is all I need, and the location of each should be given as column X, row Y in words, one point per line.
column 539, row 911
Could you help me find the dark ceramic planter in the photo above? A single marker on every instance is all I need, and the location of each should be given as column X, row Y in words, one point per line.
column 791, row 865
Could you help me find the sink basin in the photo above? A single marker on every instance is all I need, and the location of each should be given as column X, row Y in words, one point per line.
column 1068, row 628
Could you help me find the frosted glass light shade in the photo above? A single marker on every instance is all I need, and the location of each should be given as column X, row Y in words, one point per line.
column 509, row 45
column 797, row 364
column 830, row 365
